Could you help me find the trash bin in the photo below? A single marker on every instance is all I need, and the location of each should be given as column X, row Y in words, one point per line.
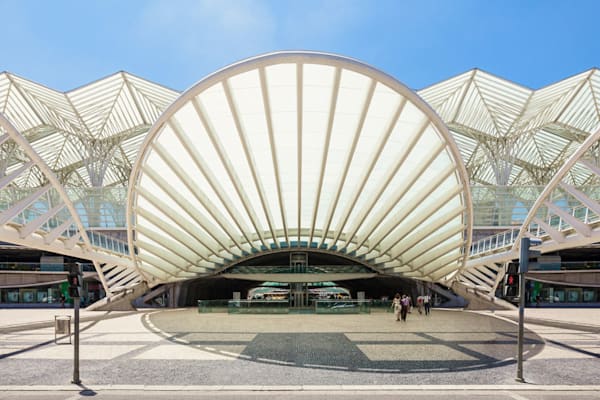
column 62, row 327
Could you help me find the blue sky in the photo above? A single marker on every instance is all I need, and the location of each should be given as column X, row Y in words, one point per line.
column 64, row 44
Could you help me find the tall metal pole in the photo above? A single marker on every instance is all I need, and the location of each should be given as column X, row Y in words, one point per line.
column 523, row 267
column 76, row 379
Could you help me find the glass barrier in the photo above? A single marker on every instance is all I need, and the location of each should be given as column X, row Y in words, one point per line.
column 258, row 307
column 381, row 305
column 212, row 306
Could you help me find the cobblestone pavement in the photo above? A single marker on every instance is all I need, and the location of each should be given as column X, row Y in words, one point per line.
column 445, row 341
column 182, row 347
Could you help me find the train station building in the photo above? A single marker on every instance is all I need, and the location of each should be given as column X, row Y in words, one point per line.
column 299, row 171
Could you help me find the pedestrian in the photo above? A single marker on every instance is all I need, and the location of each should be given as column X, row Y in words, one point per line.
column 62, row 300
column 397, row 306
column 405, row 301
column 427, row 303
column 420, row 304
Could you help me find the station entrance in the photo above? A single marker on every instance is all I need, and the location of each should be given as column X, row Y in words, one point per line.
column 296, row 279
column 298, row 295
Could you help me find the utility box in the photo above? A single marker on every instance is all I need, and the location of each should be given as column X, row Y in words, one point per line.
column 62, row 327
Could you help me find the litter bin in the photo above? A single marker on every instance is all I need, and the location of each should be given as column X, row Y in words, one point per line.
column 62, row 327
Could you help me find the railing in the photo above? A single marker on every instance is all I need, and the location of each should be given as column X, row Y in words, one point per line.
column 500, row 240
column 317, row 306
column 507, row 238
column 43, row 267
column 307, row 269
column 108, row 243
column 580, row 265
column 24, row 266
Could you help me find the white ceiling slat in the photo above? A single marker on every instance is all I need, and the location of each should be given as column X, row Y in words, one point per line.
column 208, row 238
column 172, row 232
column 327, row 142
column 213, row 180
column 274, row 154
column 258, row 185
column 220, row 219
column 348, row 160
column 229, row 167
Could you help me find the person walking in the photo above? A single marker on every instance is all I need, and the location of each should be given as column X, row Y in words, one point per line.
column 420, row 304
column 397, row 306
column 427, row 304
column 405, row 301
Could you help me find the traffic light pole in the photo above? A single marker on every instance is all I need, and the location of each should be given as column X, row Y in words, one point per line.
column 75, row 287
column 521, row 317
column 76, row 379
column 524, row 255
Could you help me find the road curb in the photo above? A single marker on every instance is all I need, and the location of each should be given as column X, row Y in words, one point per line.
column 524, row 387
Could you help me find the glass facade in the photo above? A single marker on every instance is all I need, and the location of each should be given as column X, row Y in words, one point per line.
column 551, row 294
column 44, row 294
column 49, row 294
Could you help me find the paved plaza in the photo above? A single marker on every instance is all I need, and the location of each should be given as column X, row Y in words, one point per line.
column 181, row 349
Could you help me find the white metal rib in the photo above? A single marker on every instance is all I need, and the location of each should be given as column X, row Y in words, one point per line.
column 250, row 160
column 212, row 180
column 367, row 174
column 274, row 156
column 348, row 160
column 332, row 111
column 208, row 242
column 400, row 192
column 219, row 218
column 229, row 168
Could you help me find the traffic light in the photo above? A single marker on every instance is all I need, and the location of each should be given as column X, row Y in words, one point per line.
column 512, row 280
column 511, row 286
column 75, row 280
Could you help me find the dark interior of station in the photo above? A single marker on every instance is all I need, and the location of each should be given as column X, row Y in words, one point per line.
column 223, row 285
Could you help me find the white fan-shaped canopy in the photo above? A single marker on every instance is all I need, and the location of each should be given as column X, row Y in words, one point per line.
column 299, row 151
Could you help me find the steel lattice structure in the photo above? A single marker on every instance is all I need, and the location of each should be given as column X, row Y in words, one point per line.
column 368, row 169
